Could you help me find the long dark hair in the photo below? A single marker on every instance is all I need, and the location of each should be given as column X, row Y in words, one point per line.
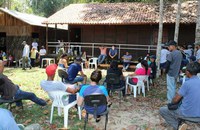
column 114, row 64
column 145, row 64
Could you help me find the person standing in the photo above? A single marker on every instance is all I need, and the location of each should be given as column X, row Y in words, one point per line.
column 35, row 44
column 163, row 59
column 197, row 45
column 25, row 55
column 103, row 54
column 42, row 54
column 126, row 61
column 113, row 53
column 33, row 56
column 173, row 66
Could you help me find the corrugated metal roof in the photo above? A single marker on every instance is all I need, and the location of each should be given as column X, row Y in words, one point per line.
column 121, row 13
column 30, row 18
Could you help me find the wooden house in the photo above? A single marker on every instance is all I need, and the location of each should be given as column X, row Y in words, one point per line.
column 125, row 24
column 16, row 27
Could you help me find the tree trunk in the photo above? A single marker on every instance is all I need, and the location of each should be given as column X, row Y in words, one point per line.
column 160, row 32
column 197, row 35
column 178, row 16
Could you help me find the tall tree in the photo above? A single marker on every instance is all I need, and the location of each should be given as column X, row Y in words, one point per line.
column 197, row 35
column 160, row 32
column 178, row 16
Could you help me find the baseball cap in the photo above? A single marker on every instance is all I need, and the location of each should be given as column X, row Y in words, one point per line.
column 153, row 56
column 171, row 42
column 78, row 58
column 24, row 43
column 51, row 69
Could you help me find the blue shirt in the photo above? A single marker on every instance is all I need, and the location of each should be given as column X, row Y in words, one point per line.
column 88, row 90
column 190, row 91
column 7, row 121
column 73, row 71
column 112, row 52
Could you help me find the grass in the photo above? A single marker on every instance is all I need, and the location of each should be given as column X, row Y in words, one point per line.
column 29, row 80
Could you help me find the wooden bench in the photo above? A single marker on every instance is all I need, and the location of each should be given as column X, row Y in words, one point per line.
column 120, row 66
column 9, row 101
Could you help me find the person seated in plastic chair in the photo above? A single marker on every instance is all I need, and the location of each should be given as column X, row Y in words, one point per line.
column 114, row 69
column 9, row 90
column 189, row 94
column 73, row 71
column 145, row 70
column 126, row 61
column 93, row 88
column 51, row 85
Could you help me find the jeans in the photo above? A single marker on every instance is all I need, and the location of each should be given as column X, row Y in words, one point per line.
column 72, row 98
column 126, row 65
column 171, row 88
column 28, row 96
column 171, row 116
column 77, row 79
column 101, row 59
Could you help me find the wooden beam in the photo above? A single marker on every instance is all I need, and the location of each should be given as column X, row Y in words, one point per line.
column 47, row 37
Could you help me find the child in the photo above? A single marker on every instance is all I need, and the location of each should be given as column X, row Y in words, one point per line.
column 153, row 68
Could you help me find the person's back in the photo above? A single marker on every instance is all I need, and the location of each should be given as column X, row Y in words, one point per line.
column 164, row 53
column 73, row 71
column 175, row 58
column 190, row 102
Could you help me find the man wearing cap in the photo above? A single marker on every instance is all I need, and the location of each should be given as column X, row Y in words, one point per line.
column 51, row 85
column 25, row 55
column 8, row 90
column 197, row 45
column 42, row 54
column 173, row 65
column 73, row 71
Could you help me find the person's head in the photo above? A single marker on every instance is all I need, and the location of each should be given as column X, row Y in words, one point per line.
column 51, row 71
column 192, row 69
column 1, row 66
column 96, row 76
column 114, row 64
column 64, row 56
column 78, row 60
column 144, row 65
column 152, row 58
column 127, row 53
column 24, row 43
column 42, row 47
column 113, row 47
column 192, row 58
column 172, row 45
column 197, row 45
column 140, row 59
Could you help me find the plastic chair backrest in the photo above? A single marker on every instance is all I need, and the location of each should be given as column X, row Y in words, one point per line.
column 112, row 79
column 95, row 100
column 93, row 60
column 58, row 97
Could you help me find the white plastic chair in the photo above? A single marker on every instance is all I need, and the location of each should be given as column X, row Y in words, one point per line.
column 60, row 100
column 93, row 61
column 139, row 85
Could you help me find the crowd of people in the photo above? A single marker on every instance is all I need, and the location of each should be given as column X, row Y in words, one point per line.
column 173, row 59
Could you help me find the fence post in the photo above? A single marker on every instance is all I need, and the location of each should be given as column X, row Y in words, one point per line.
column 92, row 49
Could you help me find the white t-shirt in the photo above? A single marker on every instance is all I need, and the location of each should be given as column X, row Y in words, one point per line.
column 26, row 51
column 163, row 55
column 55, row 86
column 138, row 66
column 43, row 52
column 198, row 55
column 35, row 45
